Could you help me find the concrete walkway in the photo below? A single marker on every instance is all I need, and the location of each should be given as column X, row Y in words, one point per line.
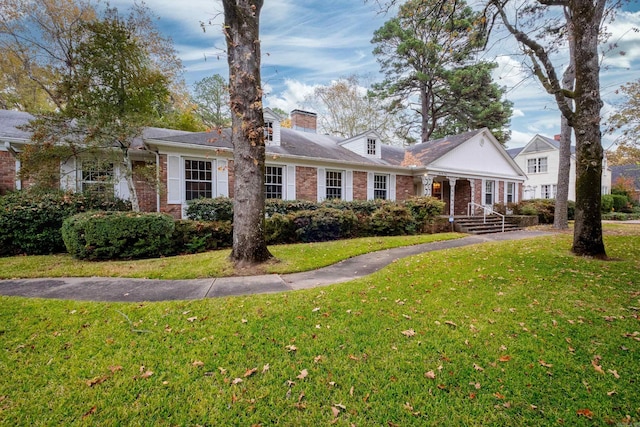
column 135, row 290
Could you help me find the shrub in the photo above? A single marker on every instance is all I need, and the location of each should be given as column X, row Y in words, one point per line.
column 279, row 229
column 393, row 220
column 191, row 236
column 359, row 207
column 621, row 203
column 323, row 224
column 218, row 209
column 112, row 235
column 30, row 221
column 274, row 206
column 606, row 203
column 424, row 209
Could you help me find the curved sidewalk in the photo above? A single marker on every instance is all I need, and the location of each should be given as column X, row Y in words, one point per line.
column 119, row 289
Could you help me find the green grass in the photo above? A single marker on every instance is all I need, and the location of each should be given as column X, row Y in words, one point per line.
column 510, row 331
column 290, row 259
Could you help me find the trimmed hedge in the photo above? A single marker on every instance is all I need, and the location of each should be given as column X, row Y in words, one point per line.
column 218, row 209
column 324, row 224
column 544, row 209
column 114, row 235
column 30, row 221
column 198, row 236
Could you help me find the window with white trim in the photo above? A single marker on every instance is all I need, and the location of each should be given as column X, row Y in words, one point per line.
column 511, row 192
column 198, row 177
column 97, row 177
column 268, row 131
column 334, row 183
column 273, row 182
column 537, row 165
column 489, row 187
column 548, row 191
column 371, row 146
column 380, row 186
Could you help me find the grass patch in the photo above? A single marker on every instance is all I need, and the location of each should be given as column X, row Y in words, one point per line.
column 291, row 258
column 515, row 333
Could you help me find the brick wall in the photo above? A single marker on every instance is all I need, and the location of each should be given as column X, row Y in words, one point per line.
column 145, row 187
column 478, row 191
column 359, row 185
column 462, row 197
column 404, row 187
column 7, row 172
column 500, row 196
column 306, row 183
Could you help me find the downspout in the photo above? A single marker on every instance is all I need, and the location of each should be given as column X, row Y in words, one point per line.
column 157, row 154
column 14, row 153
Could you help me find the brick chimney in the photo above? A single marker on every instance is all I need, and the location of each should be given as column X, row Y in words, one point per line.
column 557, row 137
column 304, row 121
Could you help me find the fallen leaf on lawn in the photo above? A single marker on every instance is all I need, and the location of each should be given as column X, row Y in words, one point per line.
column 476, row 385
column 504, row 358
column 290, row 383
column 115, row 368
column 450, row 323
column 191, row 319
column 545, row 364
column 335, row 411
column 340, row 405
column 291, row 348
column 317, row 359
column 198, row 363
column 250, row 372
column 301, row 397
column 409, row 333
column 585, row 413
column 408, row 406
column 613, row 372
column 498, row 395
column 611, row 393
column 472, row 395
column 406, row 317
column 97, row 380
column 351, row 391
column 222, row 370
column 90, row 412
column 352, row 357
column 431, row 375
column 147, row 374
column 303, row 374
column 477, row 367
column 503, row 348
column 265, row 368
column 236, row 381
column 315, row 309
column 244, row 320
column 597, row 367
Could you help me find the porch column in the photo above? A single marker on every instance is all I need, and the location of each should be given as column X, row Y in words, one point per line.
column 427, row 182
column 472, row 183
column 452, row 195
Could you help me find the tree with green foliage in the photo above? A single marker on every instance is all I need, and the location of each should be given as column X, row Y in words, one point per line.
column 426, row 53
column 241, row 28
column 112, row 93
column 211, row 96
column 627, row 119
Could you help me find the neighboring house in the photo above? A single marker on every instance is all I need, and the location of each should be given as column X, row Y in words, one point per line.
column 540, row 159
column 631, row 172
column 300, row 164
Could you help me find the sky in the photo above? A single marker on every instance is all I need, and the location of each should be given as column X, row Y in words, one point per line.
column 314, row 42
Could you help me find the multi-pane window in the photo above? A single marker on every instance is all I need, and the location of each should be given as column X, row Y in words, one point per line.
column 511, row 192
column 268, row 131
column 273, row 182
column 97, row 177
column 371, row 146
column 380, row 186
column 548, row 191
column 198, row 176
column 488, row 192
column 538, row 165
column 334, row 185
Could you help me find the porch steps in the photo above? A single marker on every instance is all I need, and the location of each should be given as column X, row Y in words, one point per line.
column 480, row 225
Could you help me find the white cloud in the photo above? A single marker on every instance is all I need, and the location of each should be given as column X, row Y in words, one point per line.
column 292, row 97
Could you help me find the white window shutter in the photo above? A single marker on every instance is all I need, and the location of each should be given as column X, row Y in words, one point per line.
column 392, row 187
column 174, row 194
column 370, row 181
column 121, row 186
column 222, row 178
column 349, row 186
column 68, row 175
column 322, row 184
column 291, row 183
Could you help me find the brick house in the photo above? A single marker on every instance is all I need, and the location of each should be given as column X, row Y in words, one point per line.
column 300, row 164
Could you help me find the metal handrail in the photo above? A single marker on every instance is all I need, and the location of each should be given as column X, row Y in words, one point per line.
column 486, row 210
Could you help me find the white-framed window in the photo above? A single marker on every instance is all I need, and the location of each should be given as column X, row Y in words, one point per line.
column 97, row 177
column 198, row 177
column 380, row 186
column 334, row 184
column 273, row 182
column 511, row 192
column 268, row 131
column 371, row 146
column 537, row 165
column 548, row 191
column 489, row 192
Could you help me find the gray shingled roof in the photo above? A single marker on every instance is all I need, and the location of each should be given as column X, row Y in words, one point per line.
column 513, row 152
column 627, row 171
column 10, row 121
column 430, row 151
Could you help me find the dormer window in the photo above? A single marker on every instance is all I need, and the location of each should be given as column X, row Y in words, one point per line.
column 268, row 131
column 371, row 146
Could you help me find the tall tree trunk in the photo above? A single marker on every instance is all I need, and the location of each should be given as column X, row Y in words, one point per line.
column 242, row 22
column 587, row 237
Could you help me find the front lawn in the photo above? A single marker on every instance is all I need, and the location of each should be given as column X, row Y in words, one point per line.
column 515, row 333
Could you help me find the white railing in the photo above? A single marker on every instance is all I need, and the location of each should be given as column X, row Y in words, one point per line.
column 486, row 210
